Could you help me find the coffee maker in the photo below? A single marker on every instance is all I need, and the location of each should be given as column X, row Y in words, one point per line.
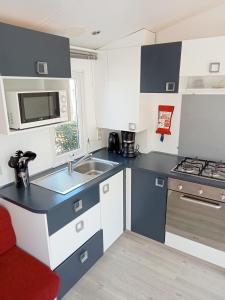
column 128, row 144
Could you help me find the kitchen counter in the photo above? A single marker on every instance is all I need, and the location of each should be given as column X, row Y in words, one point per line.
column 41, row 200
column 160, row 163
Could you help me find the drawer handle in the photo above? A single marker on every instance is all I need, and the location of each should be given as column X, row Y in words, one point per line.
column 42, row 67
column 84, row 256
column 159, row 182
column 79, row 226
column 78, row 205
column 170, row 86
column 105, row 188
column 214, row 67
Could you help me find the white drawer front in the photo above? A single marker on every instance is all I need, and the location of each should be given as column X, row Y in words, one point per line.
column 68, row 239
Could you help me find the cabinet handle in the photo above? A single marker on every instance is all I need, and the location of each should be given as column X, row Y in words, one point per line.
column 170, row 86
column 78, row 205
column 42, row 67
column 79, row 226
column 105, row 188
column 132, row 126
column 84, row 256
column 159, row 182
column 214, row 67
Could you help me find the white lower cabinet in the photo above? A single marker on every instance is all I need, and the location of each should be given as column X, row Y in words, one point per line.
column 54, row 249
column 69, row 238
column 111, row 202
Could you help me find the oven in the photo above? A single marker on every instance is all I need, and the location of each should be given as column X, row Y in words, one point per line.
column 195, row 213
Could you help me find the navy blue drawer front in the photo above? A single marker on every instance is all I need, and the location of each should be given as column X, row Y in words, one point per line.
column 72, row 208
column 79, row 263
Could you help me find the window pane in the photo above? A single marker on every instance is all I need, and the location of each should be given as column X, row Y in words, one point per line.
column 67, row 135
column 66, row 138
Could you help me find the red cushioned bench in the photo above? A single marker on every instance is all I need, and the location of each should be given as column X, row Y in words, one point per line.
column 22, row 277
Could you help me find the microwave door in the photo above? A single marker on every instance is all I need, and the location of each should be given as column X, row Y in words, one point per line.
column 39, row 106
column 54, row 107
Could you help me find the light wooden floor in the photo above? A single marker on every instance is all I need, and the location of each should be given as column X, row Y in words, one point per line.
column 136, row 268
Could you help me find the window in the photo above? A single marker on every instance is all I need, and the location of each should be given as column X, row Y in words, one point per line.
column 68, row 138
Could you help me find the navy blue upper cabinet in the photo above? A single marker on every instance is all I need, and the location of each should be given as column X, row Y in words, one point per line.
column 148, row 204
column 25, row 52
column 160, row 67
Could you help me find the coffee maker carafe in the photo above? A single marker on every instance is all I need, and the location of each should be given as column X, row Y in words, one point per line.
column 128, row 144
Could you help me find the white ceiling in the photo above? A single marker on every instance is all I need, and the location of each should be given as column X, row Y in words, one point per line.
column 76, row 19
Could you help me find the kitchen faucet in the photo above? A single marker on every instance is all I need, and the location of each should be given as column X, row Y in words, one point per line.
column 72, row 165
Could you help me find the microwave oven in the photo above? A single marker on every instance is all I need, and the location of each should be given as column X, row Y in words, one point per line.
column 36, row 108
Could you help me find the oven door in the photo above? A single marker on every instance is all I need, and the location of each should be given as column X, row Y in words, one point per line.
column 196, row 218
column 36, row 107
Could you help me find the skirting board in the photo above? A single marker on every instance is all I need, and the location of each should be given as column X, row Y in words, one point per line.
column 201, row 251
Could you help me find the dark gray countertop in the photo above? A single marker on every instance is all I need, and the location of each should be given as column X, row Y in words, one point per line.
column 41, row 200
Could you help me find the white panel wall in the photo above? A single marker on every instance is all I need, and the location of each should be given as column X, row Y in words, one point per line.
column 38, row 141
column 148, row 139
column 206, row 24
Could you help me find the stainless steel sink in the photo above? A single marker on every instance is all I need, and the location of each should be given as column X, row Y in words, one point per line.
column 64, row 182
column 94, row 167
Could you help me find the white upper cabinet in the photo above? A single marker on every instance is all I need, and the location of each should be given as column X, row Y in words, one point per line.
column 118, row 102
column 119, row 108
column 121, row 105
column 203, row 57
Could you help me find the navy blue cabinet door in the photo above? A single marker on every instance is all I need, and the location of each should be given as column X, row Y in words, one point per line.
column 148, row 204
column 22, row 50
column 160, row 67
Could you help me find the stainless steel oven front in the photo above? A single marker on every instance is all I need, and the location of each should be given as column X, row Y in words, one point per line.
column 196, row 212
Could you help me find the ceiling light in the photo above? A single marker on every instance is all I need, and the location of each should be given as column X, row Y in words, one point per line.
column 96, row 32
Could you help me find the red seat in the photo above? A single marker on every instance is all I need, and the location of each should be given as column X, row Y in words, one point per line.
column 22, row 276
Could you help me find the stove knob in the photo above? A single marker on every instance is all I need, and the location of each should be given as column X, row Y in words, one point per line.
column 223, row 197
column 180, row 187
column 200, row 192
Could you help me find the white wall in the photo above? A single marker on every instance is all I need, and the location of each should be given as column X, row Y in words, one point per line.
column 148, row 139
column 206, row 24
column 41, row 140
column 38, row 141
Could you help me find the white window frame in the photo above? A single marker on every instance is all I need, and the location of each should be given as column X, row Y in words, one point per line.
column 78, row 97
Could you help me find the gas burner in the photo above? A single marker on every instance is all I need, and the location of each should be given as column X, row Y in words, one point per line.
column 214, row 170
column 190, row 166
column 187, row 167
column 199, row 167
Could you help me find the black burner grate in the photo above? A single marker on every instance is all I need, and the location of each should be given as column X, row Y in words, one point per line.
column 200, row 167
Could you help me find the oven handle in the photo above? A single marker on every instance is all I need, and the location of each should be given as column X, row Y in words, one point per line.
column 201, row 202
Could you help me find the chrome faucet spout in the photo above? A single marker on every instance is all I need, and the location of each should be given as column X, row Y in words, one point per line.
column 72, row 165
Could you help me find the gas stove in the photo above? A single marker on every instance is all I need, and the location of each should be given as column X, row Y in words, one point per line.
column 200, row 167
